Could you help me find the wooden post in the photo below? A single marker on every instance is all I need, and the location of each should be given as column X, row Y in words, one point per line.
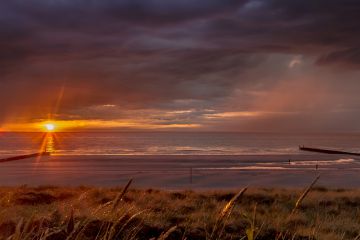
column 191, row 173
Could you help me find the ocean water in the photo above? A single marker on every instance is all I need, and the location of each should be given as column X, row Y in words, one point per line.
column 171, row 143
column 179, row 160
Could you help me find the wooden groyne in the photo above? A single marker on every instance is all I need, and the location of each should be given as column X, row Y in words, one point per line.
column 24, row 156
column 327, row 151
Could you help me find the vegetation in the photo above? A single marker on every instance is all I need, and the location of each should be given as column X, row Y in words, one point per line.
column 124, row 213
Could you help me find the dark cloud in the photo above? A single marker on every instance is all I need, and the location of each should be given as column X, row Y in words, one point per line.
column 169, row 55
column 290, row 26
column 349, row 57
column 83, row 14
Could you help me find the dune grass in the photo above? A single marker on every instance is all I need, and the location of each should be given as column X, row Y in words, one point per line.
column 50, row 212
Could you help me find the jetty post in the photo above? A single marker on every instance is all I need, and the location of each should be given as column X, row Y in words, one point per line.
column 191, row 175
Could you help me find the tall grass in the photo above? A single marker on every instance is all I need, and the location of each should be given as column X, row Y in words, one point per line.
column 224, row 215
column 284, row 234
column 243, row 216
column 303, row 195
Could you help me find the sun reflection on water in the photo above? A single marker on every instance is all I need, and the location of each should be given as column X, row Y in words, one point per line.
column 48, row 143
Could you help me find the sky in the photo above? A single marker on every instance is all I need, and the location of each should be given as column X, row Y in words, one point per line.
column 185, row 65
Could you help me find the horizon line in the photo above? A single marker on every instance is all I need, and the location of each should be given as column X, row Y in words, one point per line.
column 188, row 131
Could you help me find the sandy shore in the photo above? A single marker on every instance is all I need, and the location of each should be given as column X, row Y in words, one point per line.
column 184, row 172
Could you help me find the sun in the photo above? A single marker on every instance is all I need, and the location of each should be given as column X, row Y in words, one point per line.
column 49, row 127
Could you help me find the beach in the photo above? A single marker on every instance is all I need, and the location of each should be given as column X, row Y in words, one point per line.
column 296, row 196
column 184, row 171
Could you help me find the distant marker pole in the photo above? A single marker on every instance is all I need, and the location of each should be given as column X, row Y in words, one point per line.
column 191, row 172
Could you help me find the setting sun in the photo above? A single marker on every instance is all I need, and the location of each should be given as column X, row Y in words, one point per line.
column 50, row 127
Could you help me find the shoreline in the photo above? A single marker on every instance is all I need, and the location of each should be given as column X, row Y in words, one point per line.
column 184, row 172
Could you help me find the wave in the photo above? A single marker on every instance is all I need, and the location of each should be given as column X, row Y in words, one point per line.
column 323, row 162
column 246, row 168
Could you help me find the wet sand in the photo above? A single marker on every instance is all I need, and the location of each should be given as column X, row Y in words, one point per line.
column 184, row 171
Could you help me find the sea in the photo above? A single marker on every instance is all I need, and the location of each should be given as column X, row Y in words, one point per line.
column 171, row 143
column 179, row 160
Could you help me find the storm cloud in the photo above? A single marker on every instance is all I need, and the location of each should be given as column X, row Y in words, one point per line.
column 290, row 63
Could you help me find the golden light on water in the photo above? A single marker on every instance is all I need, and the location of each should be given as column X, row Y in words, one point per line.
column 50, row 144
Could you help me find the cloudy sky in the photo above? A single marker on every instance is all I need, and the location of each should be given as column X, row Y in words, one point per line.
column 229, row 65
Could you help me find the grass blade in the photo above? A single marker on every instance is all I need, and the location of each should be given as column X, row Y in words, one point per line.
column 120, row 196
column 303, row 195
column 224, row 214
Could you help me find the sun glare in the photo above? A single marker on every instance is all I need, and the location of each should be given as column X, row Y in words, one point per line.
column 50, row 127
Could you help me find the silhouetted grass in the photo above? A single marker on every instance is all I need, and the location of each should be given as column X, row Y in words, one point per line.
column 124, row 213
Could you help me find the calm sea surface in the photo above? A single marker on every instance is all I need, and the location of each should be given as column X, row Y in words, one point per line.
column 165, row 143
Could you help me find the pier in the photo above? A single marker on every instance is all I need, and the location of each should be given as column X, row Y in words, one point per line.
column 24, row 156
column 327, row 151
